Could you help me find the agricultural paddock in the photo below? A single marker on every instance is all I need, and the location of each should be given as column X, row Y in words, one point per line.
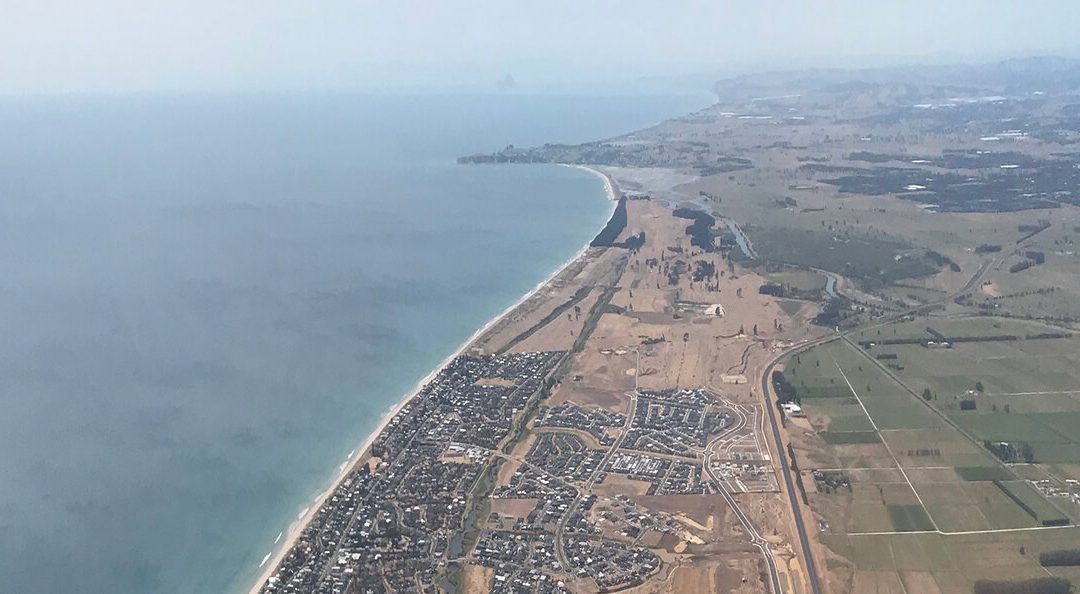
column 952, row 562
column 955, row 512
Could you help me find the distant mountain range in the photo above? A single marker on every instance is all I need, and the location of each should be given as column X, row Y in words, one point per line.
column 1050, row 74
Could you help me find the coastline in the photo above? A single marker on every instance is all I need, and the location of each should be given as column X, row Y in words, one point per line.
column 609, row 184
column 283, row 544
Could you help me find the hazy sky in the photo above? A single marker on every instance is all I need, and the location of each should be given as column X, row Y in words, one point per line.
column 116, row 45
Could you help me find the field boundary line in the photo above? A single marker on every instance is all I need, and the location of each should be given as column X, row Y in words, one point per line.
column 957, row 533
column 886, row 444
column 930, row 407
column 1047, row 393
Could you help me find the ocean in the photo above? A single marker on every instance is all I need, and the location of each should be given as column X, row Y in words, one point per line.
column 208, row 301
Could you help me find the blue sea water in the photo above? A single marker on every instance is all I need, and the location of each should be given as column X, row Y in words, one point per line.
column 207, row 302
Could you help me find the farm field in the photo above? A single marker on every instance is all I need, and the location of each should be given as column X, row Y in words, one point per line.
column 957, row 459
column 1023, row 391
column 930, row 562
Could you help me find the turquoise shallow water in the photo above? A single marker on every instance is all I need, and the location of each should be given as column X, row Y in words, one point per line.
column 207, row 302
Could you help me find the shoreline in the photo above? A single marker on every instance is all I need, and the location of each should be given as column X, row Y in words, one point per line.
column 609, row 183
column 285, row 544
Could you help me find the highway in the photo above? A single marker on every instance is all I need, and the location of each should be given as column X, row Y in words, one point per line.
column 808, row 558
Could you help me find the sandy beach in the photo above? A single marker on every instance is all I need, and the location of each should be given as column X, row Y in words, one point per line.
column 282, row 545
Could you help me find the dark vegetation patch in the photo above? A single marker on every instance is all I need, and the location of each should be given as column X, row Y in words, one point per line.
column 942, row 260
column 1011, row 452
column 958, row 118
column 1021, row 266
column 873, row 262
column 634, row 242
column 983, row 159
column 700, row 230
column 674, row 271
column 833, row 314
column 1032, row 230
column 1031, row 258
column 1060, row 558
column 831, row 481
column 798, row 475
column 954, row 159
column 774, row 289
column 614, row 226
column 1048, row 336
column 725, row 239
column 1006, row 181
column 785, row 391
column 703, row 270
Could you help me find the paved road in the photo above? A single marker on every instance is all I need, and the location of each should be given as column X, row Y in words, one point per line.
column 560, row 549
column 808, row 558
column 755, row 538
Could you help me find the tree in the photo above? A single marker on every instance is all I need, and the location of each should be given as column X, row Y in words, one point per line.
column 926, row 395
column 978, row 387
column 1027, row 452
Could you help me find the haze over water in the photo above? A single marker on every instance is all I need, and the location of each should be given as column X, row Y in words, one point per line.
column 207, row 302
